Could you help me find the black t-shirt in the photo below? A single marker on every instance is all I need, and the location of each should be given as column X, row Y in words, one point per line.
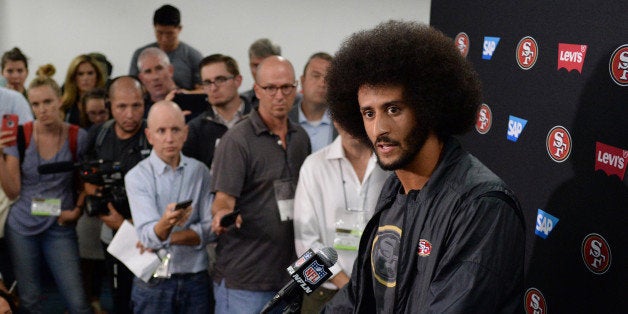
column 128, row 152
column 385, row 252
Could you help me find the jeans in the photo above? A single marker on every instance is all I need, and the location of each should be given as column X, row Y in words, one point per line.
column 232, row 301
column 58, row 247
column 185, row 293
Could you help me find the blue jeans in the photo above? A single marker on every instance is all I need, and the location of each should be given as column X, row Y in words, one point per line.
column 187, row 293
column 232, row 301
column 58, row 247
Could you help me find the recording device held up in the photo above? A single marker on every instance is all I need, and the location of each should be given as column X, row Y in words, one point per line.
column 105, row 174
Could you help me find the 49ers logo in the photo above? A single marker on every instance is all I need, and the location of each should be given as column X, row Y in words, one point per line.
column 425, row 248
column 596, row 253
column 484, row 119
column 534, row 302
column 558, row 143
column 618, row 66
column 462, row 42
column 527, row 52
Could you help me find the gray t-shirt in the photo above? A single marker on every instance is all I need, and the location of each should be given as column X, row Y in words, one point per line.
column 247, row 163
column 185, row 60
column 33, row 184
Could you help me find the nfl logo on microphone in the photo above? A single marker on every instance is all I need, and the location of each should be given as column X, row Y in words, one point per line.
column 314, row 273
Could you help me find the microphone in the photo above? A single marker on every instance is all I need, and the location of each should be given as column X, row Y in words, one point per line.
column 57, row 167
column 308, row 273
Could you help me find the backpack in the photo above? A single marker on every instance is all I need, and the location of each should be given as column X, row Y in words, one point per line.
column 25, row 131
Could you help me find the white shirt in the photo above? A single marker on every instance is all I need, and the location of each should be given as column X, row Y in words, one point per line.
column 320, row 193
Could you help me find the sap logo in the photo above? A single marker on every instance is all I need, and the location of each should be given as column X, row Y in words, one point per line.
column 490, row 44
column 618, row 66
column 463, row 43
column 558, row 143
column 596, row 253
column 535, row 302
column 545, row 223
column 611, row 160
column 527, row 52
column 515, row 127
column 571, row 57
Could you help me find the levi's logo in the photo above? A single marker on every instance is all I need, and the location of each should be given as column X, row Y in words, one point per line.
column 490, row 44
column 571, row 57
column 611, row 160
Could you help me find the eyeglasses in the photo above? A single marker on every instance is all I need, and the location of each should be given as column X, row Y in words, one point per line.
column 285, row 89
column 218, row 81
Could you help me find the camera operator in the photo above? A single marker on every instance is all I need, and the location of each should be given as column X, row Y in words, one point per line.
column 123, row 142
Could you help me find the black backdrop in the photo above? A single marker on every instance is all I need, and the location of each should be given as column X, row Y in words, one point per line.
column 576, row 208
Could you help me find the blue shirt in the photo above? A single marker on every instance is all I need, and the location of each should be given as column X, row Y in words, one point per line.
column 151, row 185
column 321, row 133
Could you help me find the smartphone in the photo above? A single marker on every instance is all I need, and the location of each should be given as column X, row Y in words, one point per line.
column 183, row 205
column 9, row 123
column 229, row 219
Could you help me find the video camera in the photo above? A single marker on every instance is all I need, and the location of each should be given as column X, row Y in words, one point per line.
column 107, row 175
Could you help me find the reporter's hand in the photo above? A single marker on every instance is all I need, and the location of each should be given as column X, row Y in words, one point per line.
column 142, row 248
column 4, row 140
column 69, row 217
column 113, row 220
column 217, row 228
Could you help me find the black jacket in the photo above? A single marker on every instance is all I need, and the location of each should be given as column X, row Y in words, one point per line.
column 476, row 231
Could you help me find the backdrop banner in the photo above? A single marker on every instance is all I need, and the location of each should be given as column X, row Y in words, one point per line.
column 553, row 125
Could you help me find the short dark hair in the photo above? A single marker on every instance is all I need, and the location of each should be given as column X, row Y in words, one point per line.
column 230, row 63
column 437, row 82
column 167, row 15
column 318, row 55
column 263, row 48
column 14, row 55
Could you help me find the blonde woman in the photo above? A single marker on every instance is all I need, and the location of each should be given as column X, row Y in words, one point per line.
column 40, row 226
column 84, row 73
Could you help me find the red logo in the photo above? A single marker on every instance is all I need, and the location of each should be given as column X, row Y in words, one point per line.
column 558, row 143
column 534, row 302
column 425, row 248
column 484, row 119
column 596, row 253
column 618, row 66
column 611, row 160
column 462, row 42
column 527, row 52
column 571, row 57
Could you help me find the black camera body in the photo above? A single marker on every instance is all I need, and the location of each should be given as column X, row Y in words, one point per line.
column 108, row 176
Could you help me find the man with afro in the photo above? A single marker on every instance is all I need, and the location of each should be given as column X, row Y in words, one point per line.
column 447, row 235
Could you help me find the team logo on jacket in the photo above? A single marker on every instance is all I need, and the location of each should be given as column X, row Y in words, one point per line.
column 558, row 143
column 462, row 42
column 571, row 57
column 596, row 253
column 527, row 52
column 611, row 160
column 534, row 302
column 490, row 44
column 385, row 255
column 314, row 273
column 618, row 66
column 425, row 248
column 515, row 127
column 484, row 119
column 545, row 223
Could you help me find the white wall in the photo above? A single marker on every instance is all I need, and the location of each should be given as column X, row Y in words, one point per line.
column 57, row 31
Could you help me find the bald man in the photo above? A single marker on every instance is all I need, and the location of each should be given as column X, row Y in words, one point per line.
column 179, row 235
column 256, row 168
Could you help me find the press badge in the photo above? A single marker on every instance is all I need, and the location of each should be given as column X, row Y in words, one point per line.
column 349, row 226
column 284, row 194
column 163, row 270
column 46, row 206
